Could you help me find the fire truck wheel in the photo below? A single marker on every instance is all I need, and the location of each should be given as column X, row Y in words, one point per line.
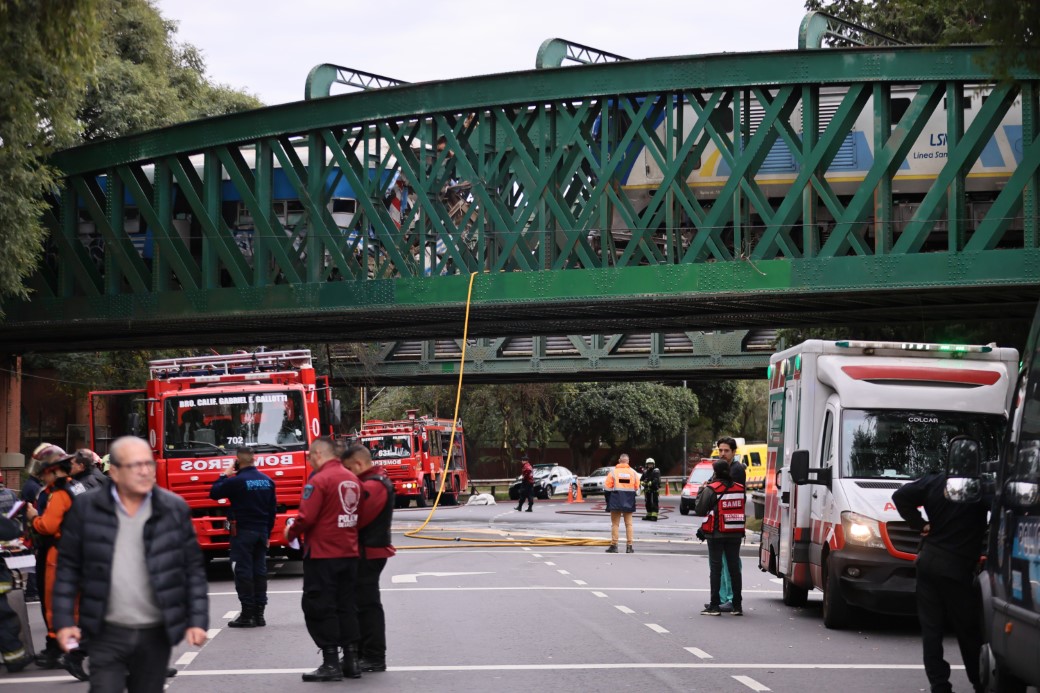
column 450, row 495
column 794, row 595
column 420, row 500
column 836, row 611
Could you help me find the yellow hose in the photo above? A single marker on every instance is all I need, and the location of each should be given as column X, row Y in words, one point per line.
column 469, row 541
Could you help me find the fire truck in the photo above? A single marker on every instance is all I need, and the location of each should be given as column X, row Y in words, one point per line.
column 850, row 422
column 196, row 412
column 413, row 453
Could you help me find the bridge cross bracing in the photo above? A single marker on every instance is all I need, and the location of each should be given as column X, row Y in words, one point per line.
column 869, row 184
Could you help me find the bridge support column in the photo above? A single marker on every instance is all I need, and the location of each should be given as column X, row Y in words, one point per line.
column 11, row 416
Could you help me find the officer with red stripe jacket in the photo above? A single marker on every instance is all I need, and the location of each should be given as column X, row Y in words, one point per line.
column 721, row 502
column 377, row 513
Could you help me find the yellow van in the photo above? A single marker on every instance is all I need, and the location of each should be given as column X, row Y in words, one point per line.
column 752, row 456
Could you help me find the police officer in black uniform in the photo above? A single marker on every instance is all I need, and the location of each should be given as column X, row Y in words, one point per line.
column 651, row 482
column 253, row 510
column 946, row 568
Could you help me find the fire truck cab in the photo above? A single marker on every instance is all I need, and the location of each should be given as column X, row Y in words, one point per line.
column 196, row 412
column 414, row 452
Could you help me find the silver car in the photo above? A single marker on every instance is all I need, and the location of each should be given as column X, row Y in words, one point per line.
column 593, row 483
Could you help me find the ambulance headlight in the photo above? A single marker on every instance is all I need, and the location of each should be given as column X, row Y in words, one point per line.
column 862, row 530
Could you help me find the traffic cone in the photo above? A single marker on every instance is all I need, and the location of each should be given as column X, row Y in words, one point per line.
column 579, row 499
column 666, row 492
column 570, row 494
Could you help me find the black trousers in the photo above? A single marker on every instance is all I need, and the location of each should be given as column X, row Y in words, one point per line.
column 371, row 619
column 717, row 548
column 249, row 562
column 947, row 594
column 129, row 659
column 10, row 628
column 651, row 499
column 41, row 580
column 526, row 492
column 328, row 601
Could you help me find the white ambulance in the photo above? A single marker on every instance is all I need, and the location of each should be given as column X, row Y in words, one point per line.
column 849, row 423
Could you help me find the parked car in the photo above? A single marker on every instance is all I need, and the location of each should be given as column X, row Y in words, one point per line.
column 593, row 484
column 549, row 479
column 698, row 476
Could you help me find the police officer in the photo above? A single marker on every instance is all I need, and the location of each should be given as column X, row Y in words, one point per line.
column 253, row 510
column 946, row 567
column 377, row 513
column 620, row 487
column 651, row 484
column 328, row 523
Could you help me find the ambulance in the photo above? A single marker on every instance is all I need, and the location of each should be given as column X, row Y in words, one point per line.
column 849, row 423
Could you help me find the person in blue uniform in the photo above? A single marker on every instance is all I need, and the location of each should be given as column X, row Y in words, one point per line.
column 253, row 510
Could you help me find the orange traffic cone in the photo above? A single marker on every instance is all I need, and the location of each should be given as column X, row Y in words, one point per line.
column 666, row 489
column 570, row 494
column 579, row 499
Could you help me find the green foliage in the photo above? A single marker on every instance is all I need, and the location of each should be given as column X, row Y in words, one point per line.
column 1013, row 26
column 47, row 51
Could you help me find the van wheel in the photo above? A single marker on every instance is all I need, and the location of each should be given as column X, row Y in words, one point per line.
column 1001, row 679
column 836, row 611
column 794, row 595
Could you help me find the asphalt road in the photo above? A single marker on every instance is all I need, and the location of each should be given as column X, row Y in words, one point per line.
column 559, row 618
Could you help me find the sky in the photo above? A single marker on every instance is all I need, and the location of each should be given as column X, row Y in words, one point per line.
column 257, row 46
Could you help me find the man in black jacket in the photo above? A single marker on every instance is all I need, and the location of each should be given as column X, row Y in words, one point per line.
column 253, row 510
column 946, row 568
column 85, row 471
column 138, row 573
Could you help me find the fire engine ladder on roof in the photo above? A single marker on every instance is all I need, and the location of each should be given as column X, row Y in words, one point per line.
column 555, row 51
column 266, row 361
column 322, row 77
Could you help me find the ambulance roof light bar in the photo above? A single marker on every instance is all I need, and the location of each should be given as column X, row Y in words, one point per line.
column 919, row 346
column 227, row 364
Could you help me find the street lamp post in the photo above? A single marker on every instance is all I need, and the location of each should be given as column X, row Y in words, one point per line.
column 685, row 454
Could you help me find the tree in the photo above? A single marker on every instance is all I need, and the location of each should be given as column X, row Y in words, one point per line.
column 47, row 52
column 76, row 70
column 1012, row 26
column 623, row 415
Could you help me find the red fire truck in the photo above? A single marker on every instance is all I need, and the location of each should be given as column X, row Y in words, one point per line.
column 196, row 412
column 413, row 452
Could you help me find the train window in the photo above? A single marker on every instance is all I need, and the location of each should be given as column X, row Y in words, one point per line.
column 896, row 109
column 344, row 205
column 722, row 119
column 966, row 102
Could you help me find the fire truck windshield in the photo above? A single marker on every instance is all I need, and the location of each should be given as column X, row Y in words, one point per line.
column 212, row 423
column 389, row 446
column 906, row 444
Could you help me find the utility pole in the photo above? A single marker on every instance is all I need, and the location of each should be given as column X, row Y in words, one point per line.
column 685, row 455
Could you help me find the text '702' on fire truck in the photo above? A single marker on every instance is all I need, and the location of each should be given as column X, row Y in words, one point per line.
column 196, row 412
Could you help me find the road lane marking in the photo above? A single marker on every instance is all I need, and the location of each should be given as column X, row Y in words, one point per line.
column 278, row 565
column 778, row 581
column 26, row 680
column 549, row 563
column 537, row 555
column 656, row 628
column 698, row 652
column 414, row 577
column 186, row 659
column 546, row 588
column 527, row 548
column 580, row 582
column 600, row 595
column 752, row 684
column 623, row 609
column 212, row 633
column 231, row 614
column 564, row 572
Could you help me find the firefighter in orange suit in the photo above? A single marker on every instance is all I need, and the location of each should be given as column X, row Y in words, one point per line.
column 620, row 487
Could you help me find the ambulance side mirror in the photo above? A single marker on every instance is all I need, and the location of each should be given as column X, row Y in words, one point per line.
column 801, row 474
column 964, row 470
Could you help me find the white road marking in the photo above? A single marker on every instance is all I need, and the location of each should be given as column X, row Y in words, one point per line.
column 698, row 652
column 600, row 595
column 414, row 577
column 549, row 563
column 623, row 609
column 527, row 548
column 278, row 565
column 752, row 684
column 537, row 555
column 231, row 614
column 580, row 582
column 212, row 633
column 778, row 581
column 27, row 680
column 656, row 628
column 564, row 572
column 511, row 589
column 186, row 659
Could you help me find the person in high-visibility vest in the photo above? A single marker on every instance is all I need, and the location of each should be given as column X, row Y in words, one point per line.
column 721, row 503
column 620, row 487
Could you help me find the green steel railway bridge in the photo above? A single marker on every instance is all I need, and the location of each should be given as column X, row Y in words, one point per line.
column 658, row 215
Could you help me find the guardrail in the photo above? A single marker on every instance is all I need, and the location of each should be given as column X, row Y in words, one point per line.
column 474, row 484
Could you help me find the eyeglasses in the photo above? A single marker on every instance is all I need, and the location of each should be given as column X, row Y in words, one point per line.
column 134, row 466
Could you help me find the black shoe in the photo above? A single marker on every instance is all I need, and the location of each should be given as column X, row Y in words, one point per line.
column 258, row 615
column 530, row 510
column 18, row 663
column 653, row 518
column 245, row 618
column 171, row 672
column 737, row 611
column 710, row 610
column 630, row 549
column 48, row 659
column 330, row 668
column 645, row 518
column 73, row 663
column 519, row 509
column 726, row 607
column 350, row 665
column 372, row 664
column 612, row 548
